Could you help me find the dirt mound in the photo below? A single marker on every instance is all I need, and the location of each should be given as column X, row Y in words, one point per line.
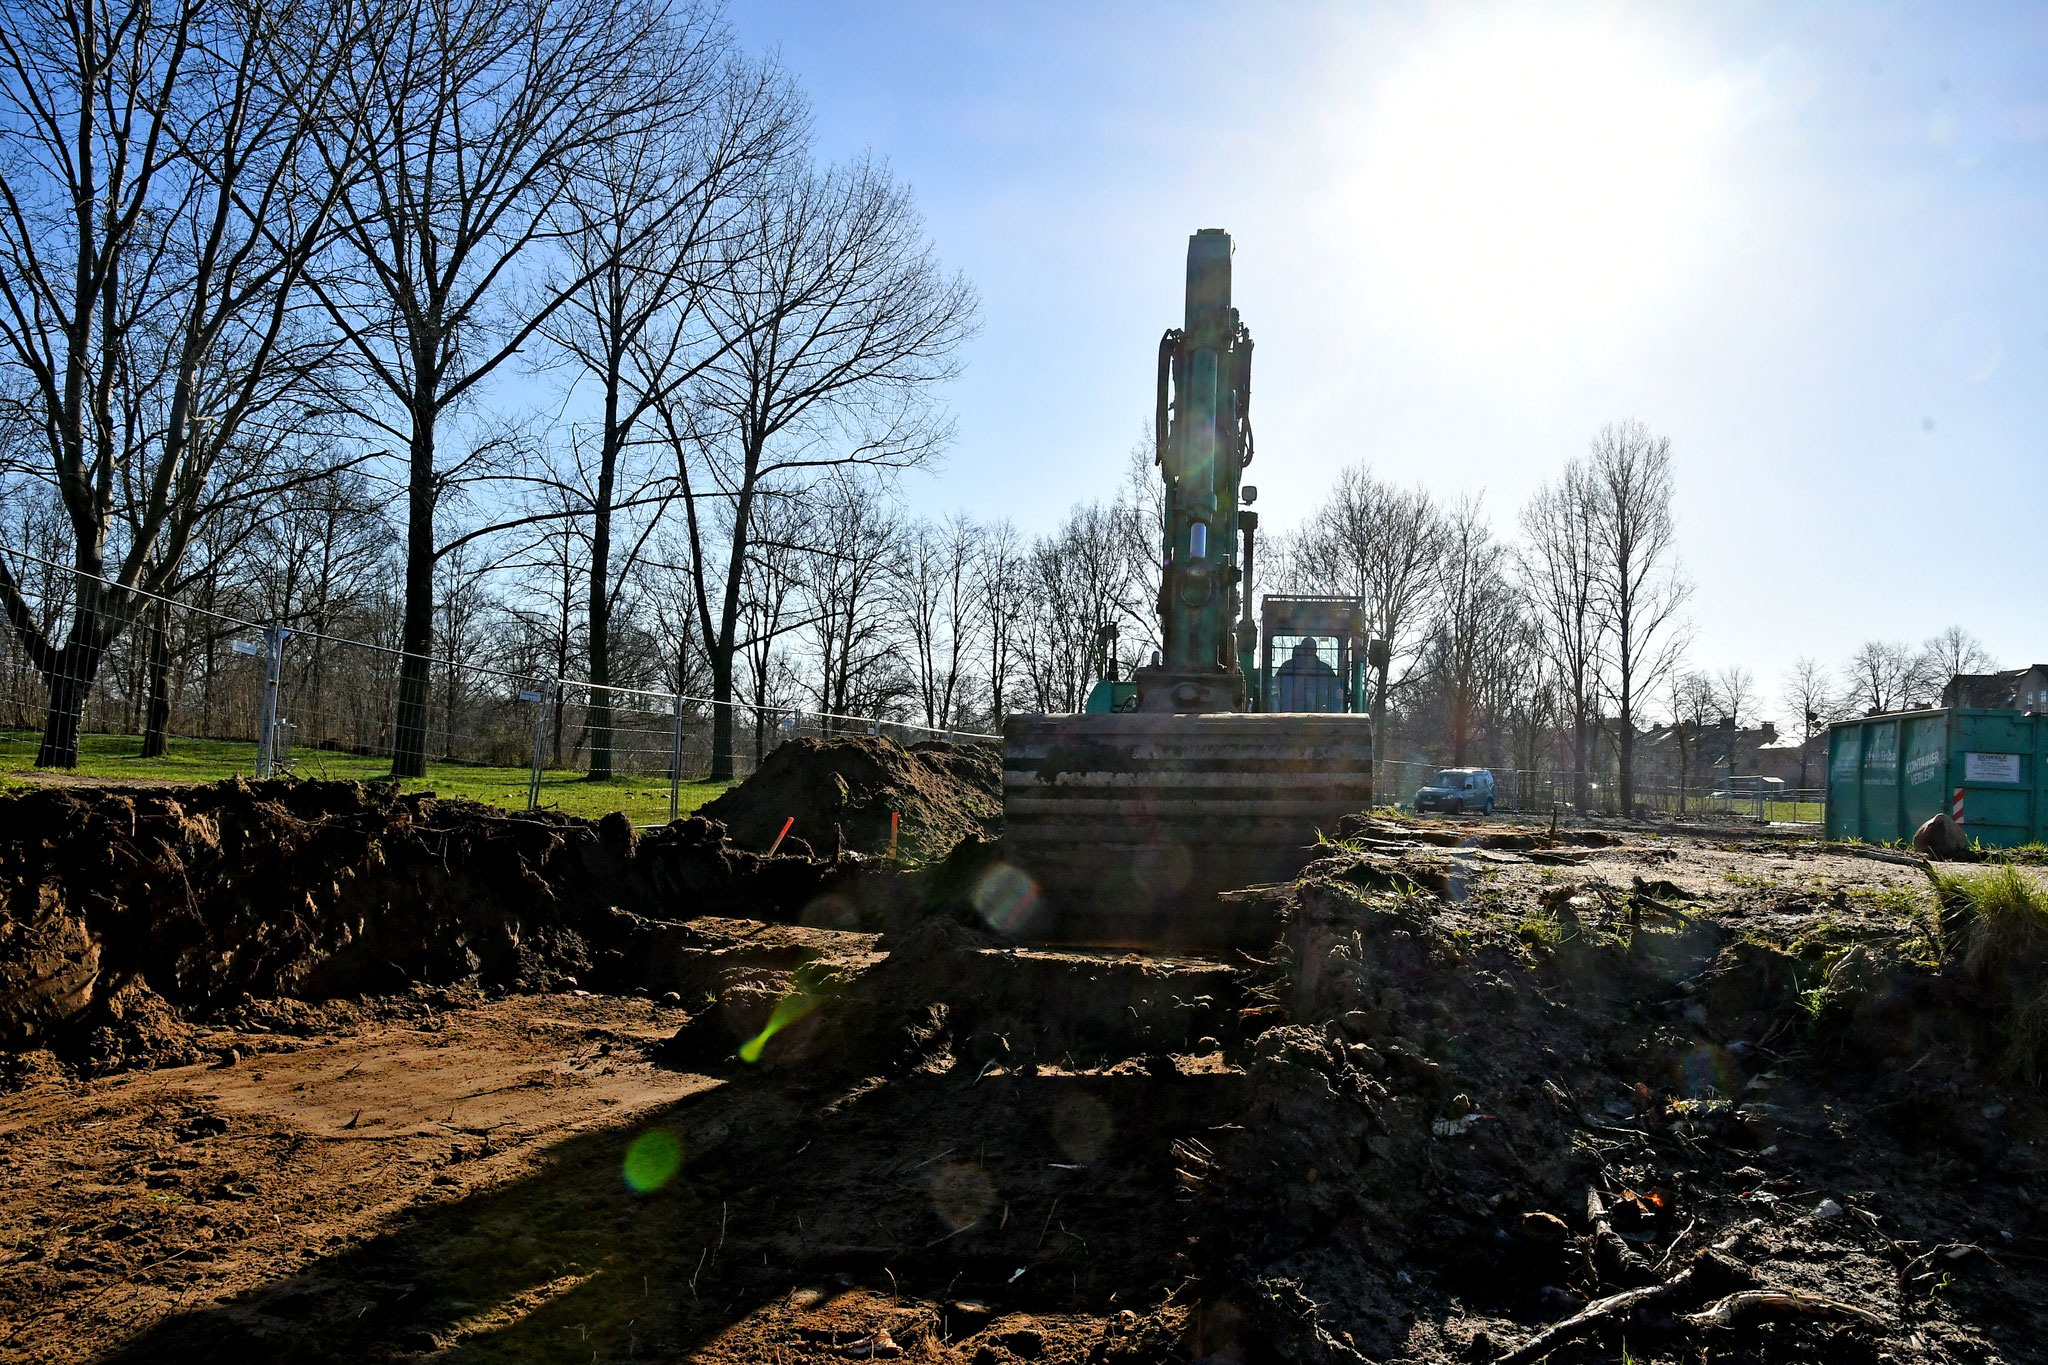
column 122, row 909
column 1470, row 1102
column 842, row 791
column 1437, row 1119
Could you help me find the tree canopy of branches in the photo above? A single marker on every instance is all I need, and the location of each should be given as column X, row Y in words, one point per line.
column 1386, row 546
column 471, row 120
column 156, row 217
column 1641, row 590
column 1559, row 570
column 832, row 330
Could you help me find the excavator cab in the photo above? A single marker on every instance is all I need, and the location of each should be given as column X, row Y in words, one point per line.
column 1313, row 654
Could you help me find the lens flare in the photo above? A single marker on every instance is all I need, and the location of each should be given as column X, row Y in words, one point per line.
column 1005, row 896
column 962, row 1194
column 830, row 912
column 1082, row 1125
column 1705, row 1073
column 652, row 1161
column 809, row 987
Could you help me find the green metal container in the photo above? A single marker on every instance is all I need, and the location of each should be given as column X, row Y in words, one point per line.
column 1888, row 775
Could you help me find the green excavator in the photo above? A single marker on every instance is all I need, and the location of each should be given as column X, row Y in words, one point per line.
column 1178, row 784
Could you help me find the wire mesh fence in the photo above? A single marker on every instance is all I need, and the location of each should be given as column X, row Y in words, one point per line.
column 117, row 685
column 159, row 688
column 1539, row 790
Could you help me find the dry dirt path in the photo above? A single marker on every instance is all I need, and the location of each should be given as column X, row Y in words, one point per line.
column 128, row 1198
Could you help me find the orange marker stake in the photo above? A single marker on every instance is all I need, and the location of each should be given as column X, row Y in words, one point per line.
column 779, row 838
column 893, row 817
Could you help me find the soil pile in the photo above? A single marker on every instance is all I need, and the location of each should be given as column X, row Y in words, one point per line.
column 843, row 790
column 114, row 902
column 1478, row 1100
column 1463, row 1102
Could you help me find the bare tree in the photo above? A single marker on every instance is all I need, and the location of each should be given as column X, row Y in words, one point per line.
column 833, row 329
column 464, row 605
column 1477, row 617
column 1942, row 657
column 155, row 220
column 1081, row 581
column 321, row 555
column 550, row 567
column 935, row 597
column 1140, row 508
column 1001, row 601
column 645, row 229
column 855, row 557
column 785, row 535
column 1641, row 589
column 1387, row 546
column 1883, row 676
column 665, row 589
column 1692, row 704
column 1529, row 703
column 1808, row 691
column 1734, row 692
column 472, row 117
column 1559, row 570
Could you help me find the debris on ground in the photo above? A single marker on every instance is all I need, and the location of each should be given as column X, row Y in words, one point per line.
column 1940, row 837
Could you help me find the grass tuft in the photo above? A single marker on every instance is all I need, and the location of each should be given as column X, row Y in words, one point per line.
column 1993, row 923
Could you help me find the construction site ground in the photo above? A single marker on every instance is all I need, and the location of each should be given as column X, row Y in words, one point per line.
column 1663, row 1095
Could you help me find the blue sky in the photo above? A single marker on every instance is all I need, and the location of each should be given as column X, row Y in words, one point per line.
column 1809, row 243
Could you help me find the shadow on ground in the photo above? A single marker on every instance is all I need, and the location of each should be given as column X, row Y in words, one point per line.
column 934, row 1185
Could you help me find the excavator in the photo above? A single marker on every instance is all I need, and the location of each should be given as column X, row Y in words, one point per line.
column 1180, row 783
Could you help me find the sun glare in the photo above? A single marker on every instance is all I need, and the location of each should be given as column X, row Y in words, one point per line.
column 1525, row 184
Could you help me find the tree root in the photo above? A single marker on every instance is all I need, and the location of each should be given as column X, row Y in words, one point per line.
column 1694, row 1279
column 1750, row 1303
column 1586, row 1319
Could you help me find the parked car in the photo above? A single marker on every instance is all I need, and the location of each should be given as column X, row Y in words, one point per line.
column 1457, row 790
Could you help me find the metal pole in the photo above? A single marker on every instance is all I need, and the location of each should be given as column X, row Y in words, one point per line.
column 675, row 765
column 540, row 746
column 266, row 732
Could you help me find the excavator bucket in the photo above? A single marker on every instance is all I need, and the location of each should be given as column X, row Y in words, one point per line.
column 1130, row 825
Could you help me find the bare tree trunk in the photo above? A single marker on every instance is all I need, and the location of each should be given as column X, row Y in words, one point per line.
column 416, row 638
column 1642, row 592
column 598, row 716
column 78, row 664
column 157, row 721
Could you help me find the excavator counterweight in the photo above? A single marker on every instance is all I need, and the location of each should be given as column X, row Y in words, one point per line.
column 1130, row 821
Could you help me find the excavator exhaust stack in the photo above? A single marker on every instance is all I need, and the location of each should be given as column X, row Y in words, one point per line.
column 1132, row 820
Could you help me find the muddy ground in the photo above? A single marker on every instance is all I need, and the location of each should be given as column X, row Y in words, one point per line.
column 1743, row 1099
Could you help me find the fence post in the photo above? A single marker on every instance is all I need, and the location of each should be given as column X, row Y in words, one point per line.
column 540, row 744
column 266, row 724
column 675, row 764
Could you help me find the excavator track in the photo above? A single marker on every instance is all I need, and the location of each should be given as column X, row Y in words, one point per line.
column 1129, row 825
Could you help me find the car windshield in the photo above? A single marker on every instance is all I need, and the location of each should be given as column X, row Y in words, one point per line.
column 1452, row 777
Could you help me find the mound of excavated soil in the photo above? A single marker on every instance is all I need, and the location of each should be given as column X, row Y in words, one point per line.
column 114, row 902
column 842, row 791
column 1480, row 1103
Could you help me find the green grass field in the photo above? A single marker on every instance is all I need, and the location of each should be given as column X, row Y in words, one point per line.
column 1809, row 812
column 112, row 759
